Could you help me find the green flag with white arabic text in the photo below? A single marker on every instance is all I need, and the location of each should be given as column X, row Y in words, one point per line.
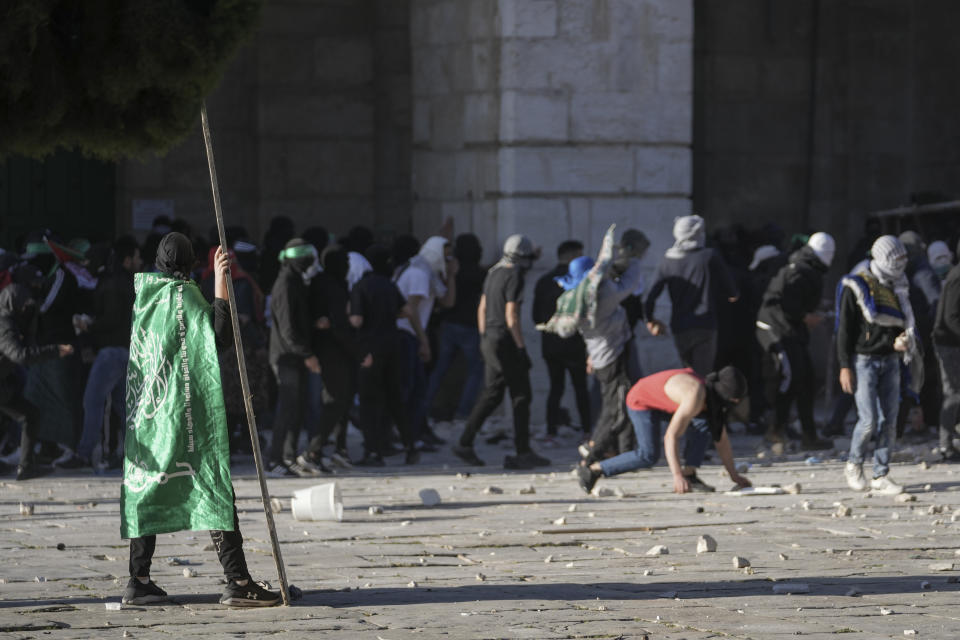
column 176, row 470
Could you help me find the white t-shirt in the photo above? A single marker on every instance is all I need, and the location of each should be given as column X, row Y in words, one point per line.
column 416, row 280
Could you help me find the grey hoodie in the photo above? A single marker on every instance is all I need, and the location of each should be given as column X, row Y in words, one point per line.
column 605, row 341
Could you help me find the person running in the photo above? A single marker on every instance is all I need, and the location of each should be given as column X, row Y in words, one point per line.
column 875, row 330
column 696, row 278
column 19, row 349
column 788, row 311
column 176, row 454
column 687, row 404
column 506, row 363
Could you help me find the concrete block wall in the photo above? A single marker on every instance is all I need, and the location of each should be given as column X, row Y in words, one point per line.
column 554, row 119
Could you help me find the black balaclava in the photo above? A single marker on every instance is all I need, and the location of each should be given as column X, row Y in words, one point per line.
column 467, row 250
column 299, row 254
column 336, row 263
column 175, row 255
column 726, row 394
column 379, row 258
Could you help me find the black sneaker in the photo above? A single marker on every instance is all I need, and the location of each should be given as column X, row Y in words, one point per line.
column 696, row 484
column 279, row 470
column 251, row 594
column 587, row 477
column 527, row 460
column 32, row 471
column 467, row 454
column 139, row 593
column 370, row 459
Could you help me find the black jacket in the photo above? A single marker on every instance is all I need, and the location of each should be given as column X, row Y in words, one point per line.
column 329, row 298
column 17, row 348
column 113, row 310
column 795, row 291
column 292, row 328
column 857, row 336
column 946, row 327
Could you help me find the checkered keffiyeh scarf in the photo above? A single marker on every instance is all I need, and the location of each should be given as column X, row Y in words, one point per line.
column 581, row 303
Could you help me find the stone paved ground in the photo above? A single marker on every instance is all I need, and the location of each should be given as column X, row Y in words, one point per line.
column 489, row 565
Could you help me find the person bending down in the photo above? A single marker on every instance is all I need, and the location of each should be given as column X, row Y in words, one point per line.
column 681, row 399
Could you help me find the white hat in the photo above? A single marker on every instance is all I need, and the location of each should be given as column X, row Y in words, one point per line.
column 823, row 246
column 764, row 252
column 890, row 256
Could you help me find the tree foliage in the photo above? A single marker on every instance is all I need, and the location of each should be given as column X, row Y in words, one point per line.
column 111, row 77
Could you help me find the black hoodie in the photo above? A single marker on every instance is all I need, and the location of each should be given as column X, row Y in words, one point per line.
column 795, row 291
column 16, row 348
column 291, row 329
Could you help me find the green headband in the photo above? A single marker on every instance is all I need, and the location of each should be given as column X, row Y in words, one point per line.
column 299, row 251
column 38, row 247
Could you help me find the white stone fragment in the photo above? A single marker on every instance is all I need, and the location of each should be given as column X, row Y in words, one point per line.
column 572, row 508
column 941, row 566
column 647, row 572
column 783, row 556
column 406, row 523
column 375, row 510
column 706, row 544
column 909, row 632
column 658, row 550
column 429, row 497
column 26, row 509
column 569, row 565
column 807, row 505
column 548, row 559
column 740, row 562
column 527, row 490
column 113, row 606
column 189, row 573
column 894, row 516
column 481, row 577
column 560, row 522
column 604, row 492
column 791, row 587
column 885, row 612
column 906, row 497
column 411, row 584
column 493, row 490
column 275, row 505
column 793, row 488
column 843, row 511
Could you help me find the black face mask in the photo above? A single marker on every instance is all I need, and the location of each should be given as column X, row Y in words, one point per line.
column 175, row 256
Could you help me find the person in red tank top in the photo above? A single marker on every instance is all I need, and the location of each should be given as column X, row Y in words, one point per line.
column 681, row 399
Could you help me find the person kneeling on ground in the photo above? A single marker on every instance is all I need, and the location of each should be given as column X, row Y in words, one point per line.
column 683, row 399
column 176, row 473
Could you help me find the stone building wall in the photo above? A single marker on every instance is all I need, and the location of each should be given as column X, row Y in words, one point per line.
column 554, row 119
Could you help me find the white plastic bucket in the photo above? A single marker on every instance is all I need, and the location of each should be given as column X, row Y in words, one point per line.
column 320, row 502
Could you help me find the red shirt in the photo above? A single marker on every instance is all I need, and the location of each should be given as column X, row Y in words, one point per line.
column 647, row 394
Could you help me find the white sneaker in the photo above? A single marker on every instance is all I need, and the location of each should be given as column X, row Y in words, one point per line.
column 885, row 486
column 853, row 472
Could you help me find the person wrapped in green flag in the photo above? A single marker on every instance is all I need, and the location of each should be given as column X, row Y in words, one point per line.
column 176, row 471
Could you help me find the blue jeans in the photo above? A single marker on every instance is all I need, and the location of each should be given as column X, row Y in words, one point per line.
column 878, row 400
column 456, row 337
column 107, row 376
column 649, row 425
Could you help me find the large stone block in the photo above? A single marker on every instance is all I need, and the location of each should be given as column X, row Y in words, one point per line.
column 474, row 66
column 566, row 170
column 585, row 20
column 663, row 170
column 447, row 122
column 543, row 220
column 432, row 70
column 481, row 119
column 325, row 168
column 343, row 61
column 667, row 20
column 454, row 175
column 421, row 120
column 528, row 18
column 552, row 63
column 534, row 117
column 675, row 68
column 632, row 117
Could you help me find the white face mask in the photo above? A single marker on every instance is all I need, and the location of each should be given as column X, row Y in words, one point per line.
column 311, row 271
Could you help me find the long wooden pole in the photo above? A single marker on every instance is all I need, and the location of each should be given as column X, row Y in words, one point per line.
column 242, row 365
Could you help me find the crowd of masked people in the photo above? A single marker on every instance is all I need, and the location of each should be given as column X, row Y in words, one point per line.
column 349, row 330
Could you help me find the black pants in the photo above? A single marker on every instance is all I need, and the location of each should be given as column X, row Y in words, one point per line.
column 504, row 368
column 339, row 386
column 291, row 405
column 20, row 412
column 229, row 546
column 381, row 397
column 697, row 349
column 559, row 363
column 613, row 426
column 791, row 378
